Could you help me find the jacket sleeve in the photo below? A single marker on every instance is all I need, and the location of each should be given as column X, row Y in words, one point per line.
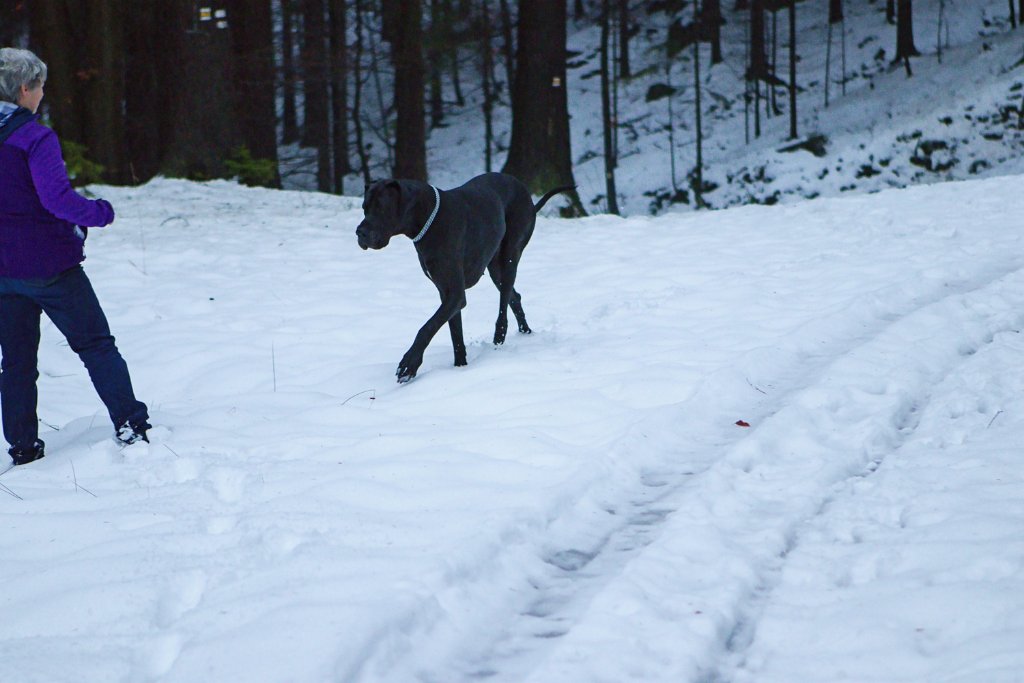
column 50, row 177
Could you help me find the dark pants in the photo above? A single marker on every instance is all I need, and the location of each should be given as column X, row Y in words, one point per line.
column 69, row 301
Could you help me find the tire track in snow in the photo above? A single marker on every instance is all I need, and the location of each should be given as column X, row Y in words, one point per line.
column 547, row 585
column 905, row 428
column 757, row 496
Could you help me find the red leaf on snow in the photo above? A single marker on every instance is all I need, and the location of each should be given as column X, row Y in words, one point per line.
column 741, row 423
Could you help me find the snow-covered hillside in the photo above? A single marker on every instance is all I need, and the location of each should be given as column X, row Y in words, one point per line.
column 958, row 119
column 760, row 444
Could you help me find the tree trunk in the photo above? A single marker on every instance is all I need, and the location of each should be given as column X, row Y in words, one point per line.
column 606, row 111
column 465, row 10
column 316, row 122
column 539, row 150
column 757, row 69
column 205, row 125
column 57, row 36
column 905, row 48
column 890, row 11
column 835, row 11
column 83, row 47
column 290, row 118
column 624, row 68
column 487, row 82
column 103, row 89
column 698, row 171
column 339, row 93
column 792, row 69
column 773, row 66
column 253, row 48
column 508, row 44
column 14, row 24
column 835, row 16
column 404, row 18
column 711, row 16
column 436, row 39
column 942, row 21
column 357, row 99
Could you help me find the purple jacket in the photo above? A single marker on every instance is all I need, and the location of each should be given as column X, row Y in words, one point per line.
column 39, row 211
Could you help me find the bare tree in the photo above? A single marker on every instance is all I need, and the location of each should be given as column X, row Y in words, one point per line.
column 339, row 93
column 539, row 151
column 252, row 41
column 487, row 79
column 792, row 69
column 437, row 37
column 316, row 120
column 757, row 65
column 905, row 48
column 508, row 47
column 13, row 23
column 290, row 117
column 83, row 46
column 357, row 98
column 403, row 21
column 698, row 171
column 711, row 27
column 465, row 10
column 606, row 111
column 835, row 16
column 624, row 33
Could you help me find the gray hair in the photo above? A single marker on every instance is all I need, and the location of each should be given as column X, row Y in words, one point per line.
column 17, row 68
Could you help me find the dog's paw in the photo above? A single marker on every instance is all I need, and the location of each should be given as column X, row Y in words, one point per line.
column 407, row 368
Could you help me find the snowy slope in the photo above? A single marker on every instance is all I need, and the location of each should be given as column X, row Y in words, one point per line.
column 879, row 135
column 578, row 505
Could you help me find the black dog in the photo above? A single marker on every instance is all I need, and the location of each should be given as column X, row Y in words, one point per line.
column 458, row 233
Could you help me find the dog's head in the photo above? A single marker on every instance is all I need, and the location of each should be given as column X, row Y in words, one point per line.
column 382, row 214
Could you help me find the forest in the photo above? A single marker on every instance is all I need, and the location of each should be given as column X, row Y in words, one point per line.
column 328, row 94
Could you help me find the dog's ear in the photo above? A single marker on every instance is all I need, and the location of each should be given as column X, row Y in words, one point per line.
column 396, row 187
column 375, row 181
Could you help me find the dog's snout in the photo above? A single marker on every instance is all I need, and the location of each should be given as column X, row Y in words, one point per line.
column 361, row 236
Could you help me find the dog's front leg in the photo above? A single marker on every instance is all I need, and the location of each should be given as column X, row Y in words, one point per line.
column 452, row 301
column 458, row 344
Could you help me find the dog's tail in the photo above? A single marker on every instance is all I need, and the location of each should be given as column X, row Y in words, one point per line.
column 544, row 200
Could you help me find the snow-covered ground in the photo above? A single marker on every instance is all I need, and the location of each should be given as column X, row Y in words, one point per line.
column 762, row 444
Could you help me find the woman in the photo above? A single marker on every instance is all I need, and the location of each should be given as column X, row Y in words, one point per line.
column 40, row 267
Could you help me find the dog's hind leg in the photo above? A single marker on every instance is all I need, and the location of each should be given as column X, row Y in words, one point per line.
column 502, row 270
column 458, row 344
column 516, row 304
column 501, row 326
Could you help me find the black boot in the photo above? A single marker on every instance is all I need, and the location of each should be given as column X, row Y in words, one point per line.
column 130, row 432
column 22, row 456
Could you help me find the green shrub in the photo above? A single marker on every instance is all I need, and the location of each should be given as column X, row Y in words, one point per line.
column 81, row 170
column 250, row 171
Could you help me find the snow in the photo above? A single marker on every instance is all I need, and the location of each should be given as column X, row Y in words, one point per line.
column 577, row 505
